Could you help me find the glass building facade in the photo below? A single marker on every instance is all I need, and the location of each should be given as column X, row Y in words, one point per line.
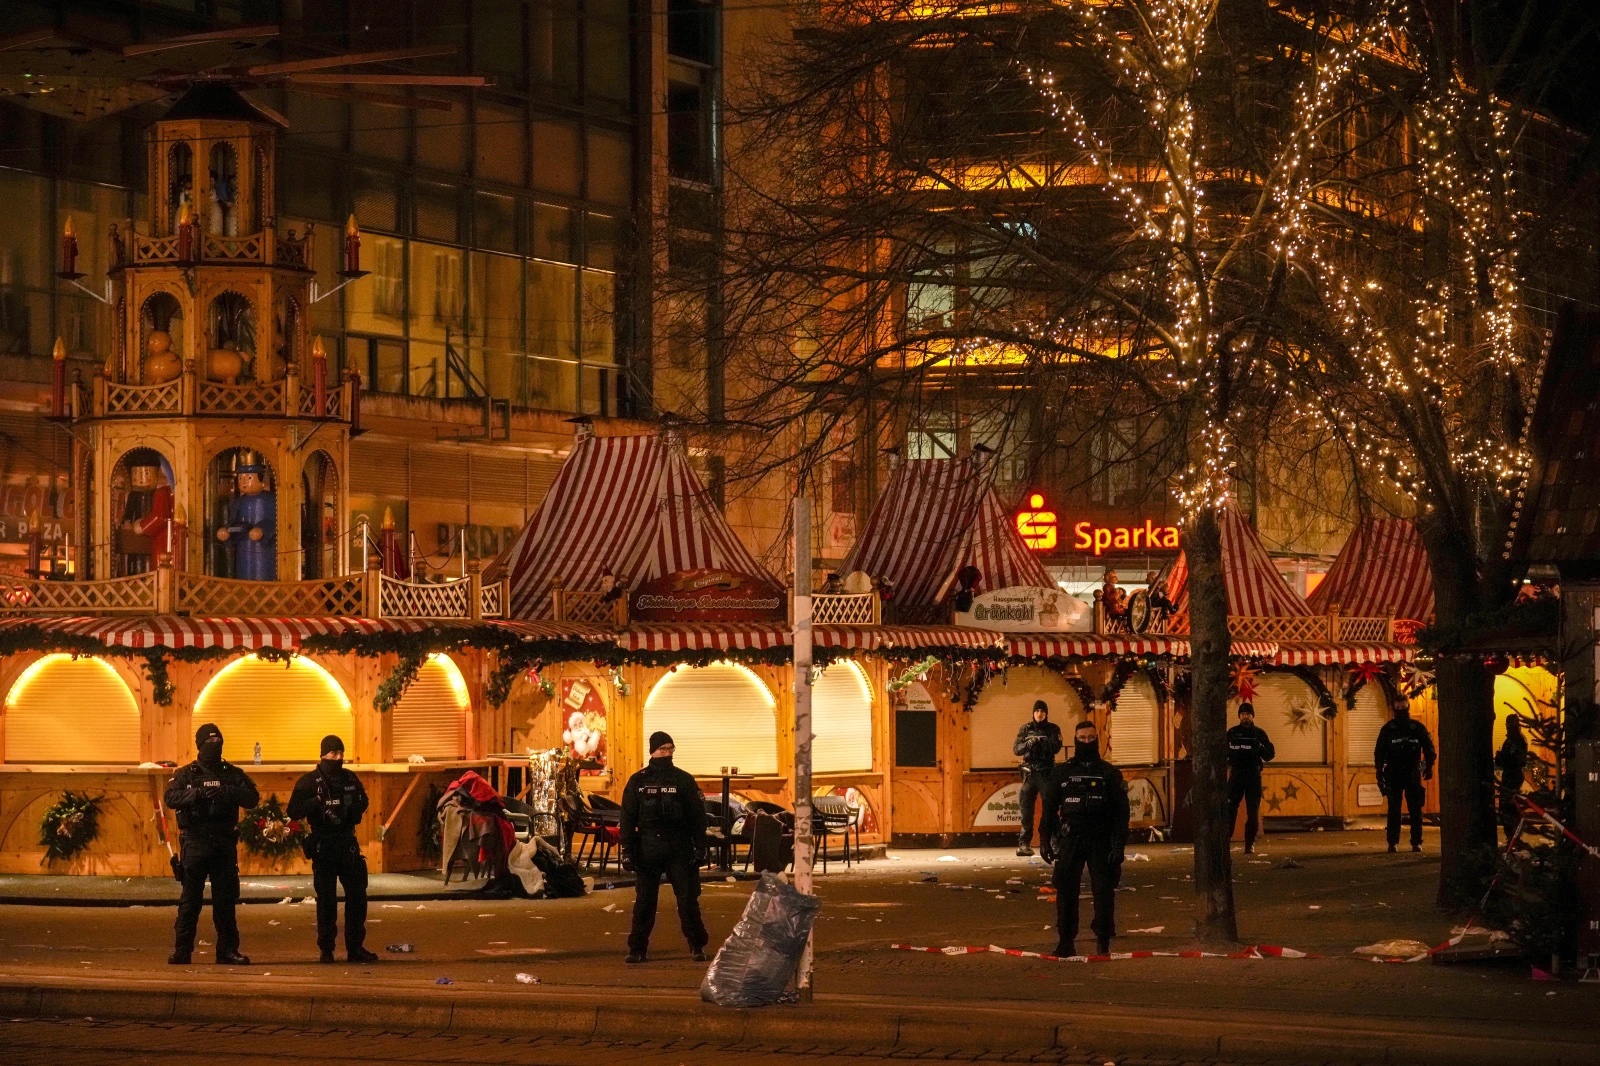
column 495, row 221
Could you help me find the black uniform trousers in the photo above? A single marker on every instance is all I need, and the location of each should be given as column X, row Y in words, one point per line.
column 1245, row 787
column 682, row 871
column 1074, row 852
column 1407, row 787
column 339, row 862
column 1035, row 787
column 216, row 858
column 1510, row 789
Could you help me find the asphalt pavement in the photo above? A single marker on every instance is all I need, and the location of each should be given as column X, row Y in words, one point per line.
column 1321, row 894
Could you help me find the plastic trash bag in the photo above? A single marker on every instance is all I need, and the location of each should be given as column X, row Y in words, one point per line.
column 754, row 966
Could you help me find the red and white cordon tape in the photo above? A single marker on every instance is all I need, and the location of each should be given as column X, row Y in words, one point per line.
column 1256, row 951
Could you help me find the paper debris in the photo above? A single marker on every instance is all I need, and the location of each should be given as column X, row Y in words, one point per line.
column 527, row 979
column 1392, row 949
column 1152, row 931
column 948, row 858
column 286, row 899
column 1138, row 856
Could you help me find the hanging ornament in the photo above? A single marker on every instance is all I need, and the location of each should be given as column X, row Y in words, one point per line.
column 1242, row 683
column 616, row 679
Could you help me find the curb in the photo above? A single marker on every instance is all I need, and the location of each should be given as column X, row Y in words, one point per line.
column 884, row 1024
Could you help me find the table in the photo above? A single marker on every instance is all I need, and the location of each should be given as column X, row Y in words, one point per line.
column 728, row 777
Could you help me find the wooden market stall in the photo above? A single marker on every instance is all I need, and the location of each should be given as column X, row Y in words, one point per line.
column 628, row 537
column 1310, row 690
column 214, row 572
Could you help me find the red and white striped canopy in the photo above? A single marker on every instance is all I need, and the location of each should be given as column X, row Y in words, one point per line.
column 283, row 634
column 906, row 638
column 704, row 636
column 934, row 517
column 1255, row 588
column 1343, row 654
column 1381, row 570
column 629, row 503
column 1088, row 647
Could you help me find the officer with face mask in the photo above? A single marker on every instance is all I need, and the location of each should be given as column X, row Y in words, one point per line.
column 207, row 795
column 1037, row 743
column 332, row 800
column 1404, row 758
column 1249, row 748
column 1086, row 826
column 663, row 835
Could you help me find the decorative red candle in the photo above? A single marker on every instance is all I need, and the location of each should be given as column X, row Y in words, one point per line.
column 319, row 378
column 185, row 232
column 352, row 246
column 58, row 380
column 69, row 248
column 178, row 538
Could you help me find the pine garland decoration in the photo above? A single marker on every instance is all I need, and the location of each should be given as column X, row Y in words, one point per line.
column 70, row 826
column 268, row 831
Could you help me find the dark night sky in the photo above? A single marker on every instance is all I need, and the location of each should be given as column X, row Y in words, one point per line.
column 1556, row 62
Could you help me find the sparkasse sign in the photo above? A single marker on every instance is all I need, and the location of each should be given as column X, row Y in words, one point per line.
column 1086, row 536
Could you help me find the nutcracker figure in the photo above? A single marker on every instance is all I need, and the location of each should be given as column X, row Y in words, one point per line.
column 252, row 528
column 143, row 532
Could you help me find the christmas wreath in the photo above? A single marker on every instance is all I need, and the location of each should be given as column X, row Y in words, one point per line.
column 70, row 825
column 269, row 832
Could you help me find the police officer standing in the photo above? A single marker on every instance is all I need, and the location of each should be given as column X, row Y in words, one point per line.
column 207, row 794
column 332, row 800
column 1087, row 825
column 1249, row 748
column 1512, row 762
column 664, row 835
column 1404, row 758
column 1037, row 743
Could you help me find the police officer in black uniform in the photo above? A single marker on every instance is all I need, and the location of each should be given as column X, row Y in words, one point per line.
column 207, row 794
column 664, row 834
column 1512, row 762
column 1087, row 825
column 1404, row 757
column 1037, row 743
column 332, row 800
column 1249, row 748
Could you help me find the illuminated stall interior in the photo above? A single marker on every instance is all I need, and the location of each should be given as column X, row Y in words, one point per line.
column 63, row 709
column 287, row 707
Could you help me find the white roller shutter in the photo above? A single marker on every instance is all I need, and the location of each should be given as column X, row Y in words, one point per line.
column 431, row 718
column 1286, row 707
column 1004, row 705
column 285, row 707
column 66, row 710
column 841, row 719
column 1362, row 722
column 719, row 715
column 1135, row 726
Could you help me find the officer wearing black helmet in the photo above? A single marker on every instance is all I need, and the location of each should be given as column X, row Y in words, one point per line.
column 1086, row 826
column 1404, row 757
column 663, row 835
column 207, row 795
column 332, row 801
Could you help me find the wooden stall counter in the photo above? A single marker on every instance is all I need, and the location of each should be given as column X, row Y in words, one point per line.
column 397, row 834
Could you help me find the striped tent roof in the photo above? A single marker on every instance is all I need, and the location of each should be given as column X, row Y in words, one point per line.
column 1255, row 588
column 1381, row 570
column 629, row 503
column 934, row 517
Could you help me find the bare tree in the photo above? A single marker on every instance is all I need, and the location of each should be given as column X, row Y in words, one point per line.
column 1422, row 343
column 1046, row 217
